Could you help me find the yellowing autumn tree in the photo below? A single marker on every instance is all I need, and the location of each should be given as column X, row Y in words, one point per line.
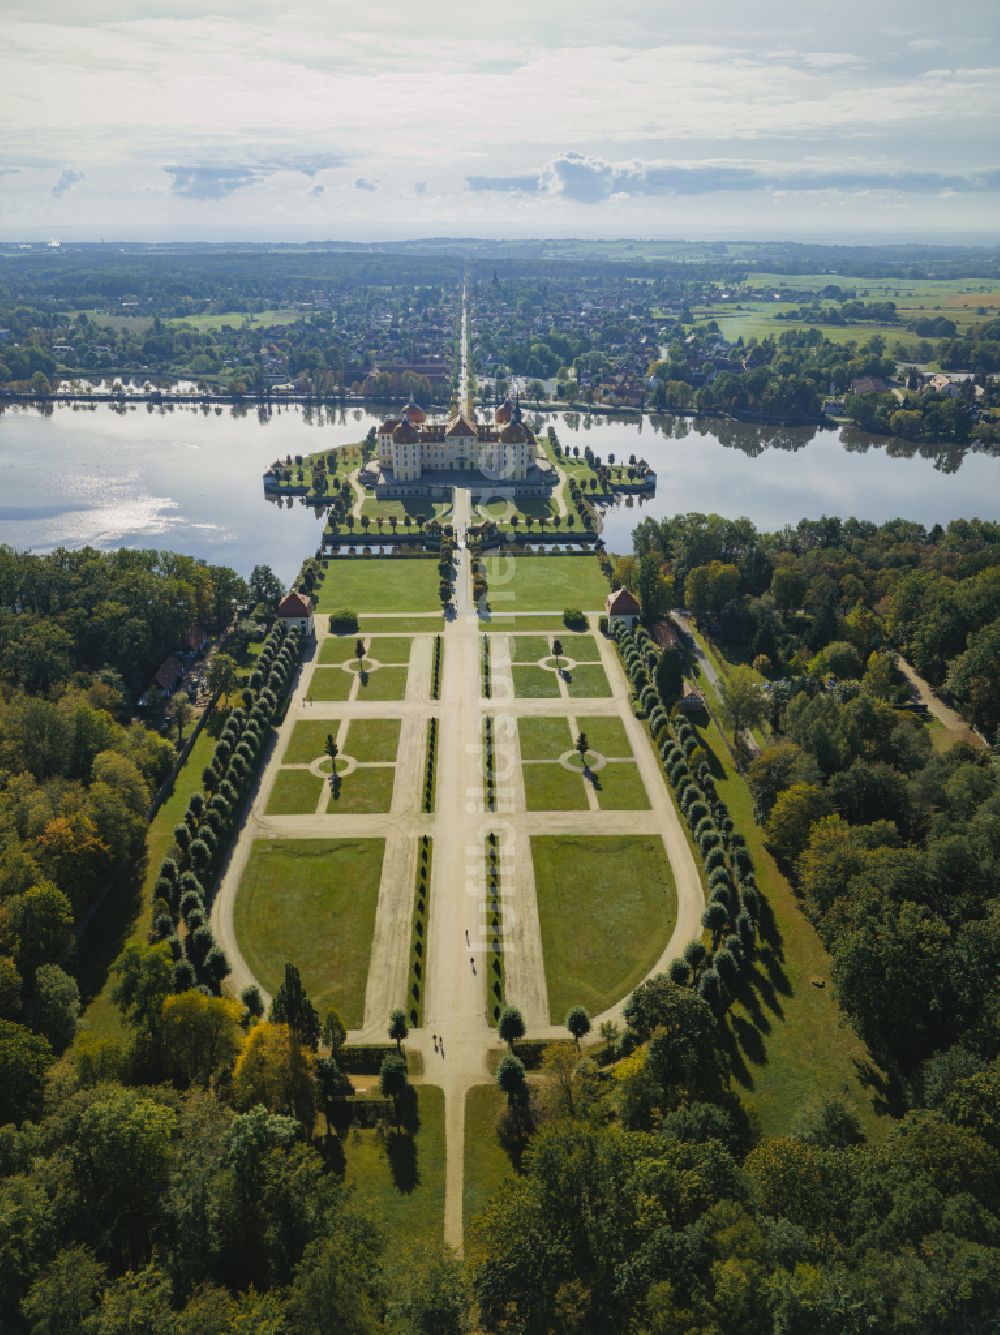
column 276, row 1070
column 202, row 1035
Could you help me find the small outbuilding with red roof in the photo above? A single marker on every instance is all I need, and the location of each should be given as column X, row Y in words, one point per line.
column 296, row 609
column 622, row 607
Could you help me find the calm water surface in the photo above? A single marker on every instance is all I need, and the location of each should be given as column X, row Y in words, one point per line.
column 191, row 481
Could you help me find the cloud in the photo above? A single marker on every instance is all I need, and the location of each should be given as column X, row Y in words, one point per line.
column 317, row 190
column 365, row 183
column 210, row 182
column 203, row 181
column 67, row 181
column 420, row 187
column 587, row 179
column 524, row 183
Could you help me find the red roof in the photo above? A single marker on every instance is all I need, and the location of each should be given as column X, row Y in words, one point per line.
column 515, row 434
column 460, row 427
column 169, row 673
column 622, row 604
column 295, row 605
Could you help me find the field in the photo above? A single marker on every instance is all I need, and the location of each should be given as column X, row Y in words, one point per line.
column 365, row 791
column 373, row 739
column 234, row 319
column 552, row 788
column 311, row 902
column 962, row 300
column 798, row 1048
column 602, row 932
column 295, row 792
column 308, row 740
column 402, row 1180
column 390, row 584
column 545, row 583
column 532, row 683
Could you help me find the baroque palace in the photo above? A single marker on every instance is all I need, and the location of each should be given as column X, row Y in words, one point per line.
column 420, row 457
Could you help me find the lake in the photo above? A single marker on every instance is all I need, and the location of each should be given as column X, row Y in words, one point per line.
column 189, row 479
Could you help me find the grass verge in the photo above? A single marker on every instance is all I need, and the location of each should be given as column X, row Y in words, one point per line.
column 486, row 1165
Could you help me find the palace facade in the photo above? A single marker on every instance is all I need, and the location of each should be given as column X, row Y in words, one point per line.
column 410, row 446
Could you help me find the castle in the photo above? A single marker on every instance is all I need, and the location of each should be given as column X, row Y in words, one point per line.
column 474, row 454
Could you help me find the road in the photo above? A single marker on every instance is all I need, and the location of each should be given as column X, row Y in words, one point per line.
column 945, row 715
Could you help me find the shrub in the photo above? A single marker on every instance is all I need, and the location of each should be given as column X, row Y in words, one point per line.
column 573, row 619
column 343, row 622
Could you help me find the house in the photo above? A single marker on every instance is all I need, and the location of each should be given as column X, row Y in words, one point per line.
column 622, row 608
column 869, row 384
column 296, row 609
column 169, row 674
column 195, row 638
column 942, row 384
column 690, row 702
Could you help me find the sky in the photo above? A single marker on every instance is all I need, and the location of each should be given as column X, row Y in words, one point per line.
column 164, row 119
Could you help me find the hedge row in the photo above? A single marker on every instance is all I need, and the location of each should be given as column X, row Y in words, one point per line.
column 187, row 877
column 495, row 981
column 734, row 904
column 418, row 933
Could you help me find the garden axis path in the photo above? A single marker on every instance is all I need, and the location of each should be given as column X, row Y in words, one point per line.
column 455, row 996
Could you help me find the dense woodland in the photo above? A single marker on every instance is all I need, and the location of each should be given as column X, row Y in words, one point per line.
column 80, row 636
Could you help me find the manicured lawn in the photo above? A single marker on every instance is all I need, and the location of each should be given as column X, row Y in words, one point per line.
column 804, row 1050
column 543, row 738
column 372, row 738
column 388, row 683
column 390, row 648
column 549, row 787
column 607, row 906
column 337, row 649
column 587, row 680
column 402, row 625
column 389, row 584
column 620, row 788
column 607, row 735
column 529, row 648
column 582, row 647
column 296, row 792
column 534, row 683
column 486, row 1163
column 330, row 683
column 308, row 740
column 365, row 792
column 402, row 1183
column 548, row 583
column 311, row 902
